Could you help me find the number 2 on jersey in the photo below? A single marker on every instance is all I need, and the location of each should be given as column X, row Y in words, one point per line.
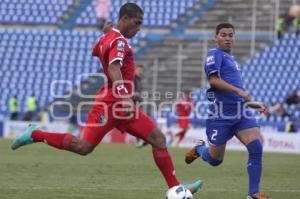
column 214, row 135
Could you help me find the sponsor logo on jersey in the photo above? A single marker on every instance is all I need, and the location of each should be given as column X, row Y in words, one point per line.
column 210, row 95
column 121, row 45
column 120, row 54
column 102, row 119
column 210, row 60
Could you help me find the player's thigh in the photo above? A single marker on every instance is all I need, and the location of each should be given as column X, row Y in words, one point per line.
column 141, row 126
column 247, row 130
column 99, row 122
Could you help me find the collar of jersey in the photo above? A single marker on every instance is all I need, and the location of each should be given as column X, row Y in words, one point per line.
column 224, row 51
column 116, row 30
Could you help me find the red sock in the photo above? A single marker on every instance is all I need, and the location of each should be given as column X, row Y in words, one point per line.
column 57, row 140
column 181, row 135
column 164, row 162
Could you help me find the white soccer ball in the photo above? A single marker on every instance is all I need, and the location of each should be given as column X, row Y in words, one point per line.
column 179, row 192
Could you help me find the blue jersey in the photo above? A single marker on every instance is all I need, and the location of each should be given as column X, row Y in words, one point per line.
column 225, row 121
column 222, row 63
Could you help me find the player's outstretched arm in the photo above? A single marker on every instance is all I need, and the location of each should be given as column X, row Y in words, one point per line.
column 216, row 82
column 258, row 106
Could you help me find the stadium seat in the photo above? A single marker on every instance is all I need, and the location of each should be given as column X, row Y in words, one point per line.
column 33, row 12
column 158, row 13
column 45, row 56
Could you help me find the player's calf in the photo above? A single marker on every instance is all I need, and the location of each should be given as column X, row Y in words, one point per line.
column 254, row 167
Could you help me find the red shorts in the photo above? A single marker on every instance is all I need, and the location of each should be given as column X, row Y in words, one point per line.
column 183, row 122
column 101, row 120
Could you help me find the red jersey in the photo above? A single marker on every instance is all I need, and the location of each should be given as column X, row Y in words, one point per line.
column 184, row 107
column 111, row 47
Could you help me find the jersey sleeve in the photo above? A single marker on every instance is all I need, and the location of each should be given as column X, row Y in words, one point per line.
column 117, row 51
column 213, row 63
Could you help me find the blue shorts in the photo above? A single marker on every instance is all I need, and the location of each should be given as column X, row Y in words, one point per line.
column 221, row 129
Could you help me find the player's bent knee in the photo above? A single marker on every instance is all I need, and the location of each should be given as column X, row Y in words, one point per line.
column 160, row 141
column 157, row 139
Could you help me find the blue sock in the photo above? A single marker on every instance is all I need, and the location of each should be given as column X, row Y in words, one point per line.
column 254, row 165
column 201, row 150
column 204, row 153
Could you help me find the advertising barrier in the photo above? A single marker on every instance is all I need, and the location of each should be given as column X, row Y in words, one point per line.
column 273, row 140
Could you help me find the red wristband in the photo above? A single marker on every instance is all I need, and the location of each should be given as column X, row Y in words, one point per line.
column 122, row 90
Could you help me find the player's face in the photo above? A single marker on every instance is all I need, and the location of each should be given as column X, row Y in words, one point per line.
column 139, row 71
column 225, row 39
column 133, row 25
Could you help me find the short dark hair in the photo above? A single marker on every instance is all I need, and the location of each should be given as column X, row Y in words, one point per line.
column 223, row 25
column 131, row 10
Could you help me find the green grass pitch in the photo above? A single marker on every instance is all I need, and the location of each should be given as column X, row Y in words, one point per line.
column 125, row 172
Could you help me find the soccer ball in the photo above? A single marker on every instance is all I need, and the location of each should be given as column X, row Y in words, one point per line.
column 179, row 192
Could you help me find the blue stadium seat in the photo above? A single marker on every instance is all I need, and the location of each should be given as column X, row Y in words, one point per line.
column 157, row 13
column 45, row 56
column 33, row 11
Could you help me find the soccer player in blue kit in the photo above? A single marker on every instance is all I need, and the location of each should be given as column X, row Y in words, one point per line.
column 229, row 115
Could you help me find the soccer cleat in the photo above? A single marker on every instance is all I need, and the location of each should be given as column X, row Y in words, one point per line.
column 193, row 187
column 25, row 138
column 192, row 154
column 258, row 196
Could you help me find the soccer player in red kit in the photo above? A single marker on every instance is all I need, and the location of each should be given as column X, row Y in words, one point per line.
column 114, row 107
column 184, row 106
